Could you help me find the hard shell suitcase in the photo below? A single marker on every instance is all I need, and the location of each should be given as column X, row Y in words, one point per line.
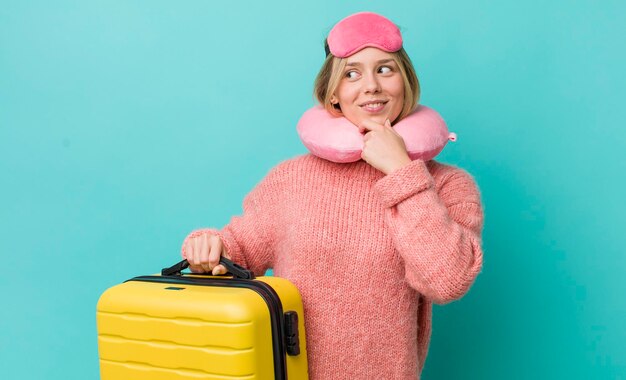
column 177, row 326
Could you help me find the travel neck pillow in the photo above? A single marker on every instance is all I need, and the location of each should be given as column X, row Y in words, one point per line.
column 337, row 139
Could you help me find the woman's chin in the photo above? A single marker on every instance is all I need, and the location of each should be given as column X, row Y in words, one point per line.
column 379, row 119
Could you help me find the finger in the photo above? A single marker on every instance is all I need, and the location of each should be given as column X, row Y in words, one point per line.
column 220, row 269
column 203, row 253
column 368, row 135
column 215, row 246
column 364, row 156
column 186, row 250
column 397, row 134
column 194, row 252
column 188, row 254
column 206, row 253
column 370, row 125
column 196, row 268
column 390, row 128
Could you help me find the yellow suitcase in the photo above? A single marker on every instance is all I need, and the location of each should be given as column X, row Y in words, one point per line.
column 177, row 326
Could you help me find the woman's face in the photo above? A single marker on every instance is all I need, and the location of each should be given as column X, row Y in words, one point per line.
column 371, row 87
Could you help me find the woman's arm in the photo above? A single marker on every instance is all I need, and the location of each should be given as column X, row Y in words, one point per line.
column 436, row 226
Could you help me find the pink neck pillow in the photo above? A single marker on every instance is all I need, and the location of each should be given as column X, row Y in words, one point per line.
column 337, row 139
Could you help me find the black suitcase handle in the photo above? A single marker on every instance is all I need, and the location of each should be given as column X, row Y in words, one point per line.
column 236, row 270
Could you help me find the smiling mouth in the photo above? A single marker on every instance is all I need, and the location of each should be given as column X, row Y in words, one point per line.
column 374, row 106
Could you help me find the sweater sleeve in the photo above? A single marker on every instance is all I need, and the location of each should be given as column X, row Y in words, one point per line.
column 436, row 228
column 250, row 238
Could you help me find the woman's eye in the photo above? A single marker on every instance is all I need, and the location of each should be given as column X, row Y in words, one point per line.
column 352, row 75
column 384, row 69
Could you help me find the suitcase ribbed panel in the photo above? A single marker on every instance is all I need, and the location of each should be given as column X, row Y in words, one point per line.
column 151, row 331
column 131, row 371
column 175, row 356
column 236, row 336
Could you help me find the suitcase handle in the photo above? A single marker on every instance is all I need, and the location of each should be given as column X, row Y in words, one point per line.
column 236, row 270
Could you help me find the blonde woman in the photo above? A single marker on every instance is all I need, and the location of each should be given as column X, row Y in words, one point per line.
column 370, row 244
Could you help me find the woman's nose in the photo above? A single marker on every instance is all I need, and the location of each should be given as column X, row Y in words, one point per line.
column 371, row 84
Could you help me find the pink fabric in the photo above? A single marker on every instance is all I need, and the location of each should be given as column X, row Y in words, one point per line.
column 361, row 30
column 336, row 139
column 369, row 254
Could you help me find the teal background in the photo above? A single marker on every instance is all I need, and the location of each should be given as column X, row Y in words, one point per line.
column 126, row 124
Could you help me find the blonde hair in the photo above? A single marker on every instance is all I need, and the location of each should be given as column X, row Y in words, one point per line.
column 330, row 75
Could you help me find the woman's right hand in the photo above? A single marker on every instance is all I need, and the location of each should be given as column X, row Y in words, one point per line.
column 203, row 253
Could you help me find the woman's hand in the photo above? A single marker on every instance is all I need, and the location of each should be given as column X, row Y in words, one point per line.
column 383, row 147
column 203, row 253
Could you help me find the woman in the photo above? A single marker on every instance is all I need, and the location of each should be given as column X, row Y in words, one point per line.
column 369, row 244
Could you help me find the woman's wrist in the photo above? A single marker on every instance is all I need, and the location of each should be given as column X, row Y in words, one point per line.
column 398, row 164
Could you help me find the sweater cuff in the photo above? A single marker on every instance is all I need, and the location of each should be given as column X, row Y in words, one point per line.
column 403, row 183
column 233, row 249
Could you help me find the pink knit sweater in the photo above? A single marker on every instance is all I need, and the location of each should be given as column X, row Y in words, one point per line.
column 369, row 254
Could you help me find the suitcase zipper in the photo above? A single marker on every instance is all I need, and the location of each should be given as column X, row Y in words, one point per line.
column 264, row 290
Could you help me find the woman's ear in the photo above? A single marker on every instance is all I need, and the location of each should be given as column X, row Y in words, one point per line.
column 333, row 100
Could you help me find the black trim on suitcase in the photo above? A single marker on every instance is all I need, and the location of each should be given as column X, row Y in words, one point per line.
column 266, row 292
column 235, row 269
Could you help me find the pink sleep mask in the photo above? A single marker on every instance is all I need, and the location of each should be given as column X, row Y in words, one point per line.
column 337, row 139
column 361, row 30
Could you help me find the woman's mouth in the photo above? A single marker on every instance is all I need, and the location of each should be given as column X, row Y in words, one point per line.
column 373, row 107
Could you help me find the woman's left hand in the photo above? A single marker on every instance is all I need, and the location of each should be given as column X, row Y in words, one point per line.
column 383, row 147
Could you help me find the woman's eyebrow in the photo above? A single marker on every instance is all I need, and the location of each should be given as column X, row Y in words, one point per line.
column 387, row 60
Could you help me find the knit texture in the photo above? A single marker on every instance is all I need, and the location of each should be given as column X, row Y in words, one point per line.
column 369, row 253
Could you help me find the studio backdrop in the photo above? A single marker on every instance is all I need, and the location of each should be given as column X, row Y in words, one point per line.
column 124, row 125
